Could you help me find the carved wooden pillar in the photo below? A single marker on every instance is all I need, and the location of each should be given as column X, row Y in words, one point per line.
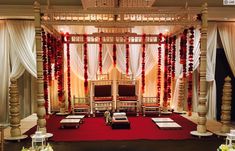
column 226, row 105
column 41, row 111
column 180, row 100
column 14, row 109
column 15, row 113
column 202, row 108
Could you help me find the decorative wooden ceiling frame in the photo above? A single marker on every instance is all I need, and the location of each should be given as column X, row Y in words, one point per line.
column 118, row 18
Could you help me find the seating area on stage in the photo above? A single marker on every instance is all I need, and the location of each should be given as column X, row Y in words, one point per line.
column 122, row 128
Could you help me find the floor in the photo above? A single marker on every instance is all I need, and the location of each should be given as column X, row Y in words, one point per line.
column 212, row 126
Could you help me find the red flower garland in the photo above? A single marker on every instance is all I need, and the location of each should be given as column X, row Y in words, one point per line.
column 85, row 64
column 143, row 62
column 114, row 55
column 56, row 47
column 165, row 97
column 169, row 70
column 173, row 57
column 53, row 56
column 159, row 68
column 60, row 68
column 68, row 72
column 183, row 51
column 100, row 55
column 127, row 55
column 44, row 57
column 49, row 58
column 190, row 70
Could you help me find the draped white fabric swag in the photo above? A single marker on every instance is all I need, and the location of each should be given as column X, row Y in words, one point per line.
column 17, row 54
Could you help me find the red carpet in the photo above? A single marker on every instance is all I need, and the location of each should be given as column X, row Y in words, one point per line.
column 94, row 129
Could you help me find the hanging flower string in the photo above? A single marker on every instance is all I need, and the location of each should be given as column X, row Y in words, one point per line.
column 159, row 68
column 143, row 63
column 56, row 46
column 114, row 55
column 60, row 69
column 190, row 70
column 100, row 55
column 127, row 55
column 44, row 57
column 53, row 56
column 183, row 51
column 49, row 58
column 68, row 71
column 85, row 64
column 165, row 98
column 173, row 57
column 169, row 71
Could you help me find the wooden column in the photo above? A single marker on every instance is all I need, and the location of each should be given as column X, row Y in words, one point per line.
column 14, row 113
column 181, row 96
column 41, row 111
column 226, row 105
column 202, row 108
column 14, row 109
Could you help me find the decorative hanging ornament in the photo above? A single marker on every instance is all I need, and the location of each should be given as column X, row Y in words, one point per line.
column 60, row 69
column 159, row 68
column 44, row 57
column 190, row 70
column 183, row 51
column 100, row 55
column 127, row 55
column 143, row 62
column 85, row 64
column 165, row 97
column 173, row 57
column 114, row 55
column 68, row 71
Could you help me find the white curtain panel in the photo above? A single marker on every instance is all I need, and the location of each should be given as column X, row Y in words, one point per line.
column 210, row 72
column 107, row 61
column 5, row 72
column 121, row 58
column 227, row 35
column 22, row 35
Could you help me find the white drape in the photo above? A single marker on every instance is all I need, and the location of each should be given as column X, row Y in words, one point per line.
column 227, row 32
column 17, row 54
column 5, row 72
column 22, row 35
column 210, row 72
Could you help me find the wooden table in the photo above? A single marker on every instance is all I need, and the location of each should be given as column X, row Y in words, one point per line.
column 70, row 122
